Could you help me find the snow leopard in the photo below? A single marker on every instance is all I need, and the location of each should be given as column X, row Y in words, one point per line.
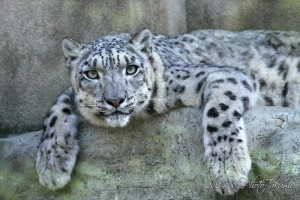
column 222, row 73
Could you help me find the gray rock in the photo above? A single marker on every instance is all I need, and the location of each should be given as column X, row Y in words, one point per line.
column 159, row 158
column 239, row 15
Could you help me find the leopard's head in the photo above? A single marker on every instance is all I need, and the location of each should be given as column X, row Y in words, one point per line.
column 113, row 77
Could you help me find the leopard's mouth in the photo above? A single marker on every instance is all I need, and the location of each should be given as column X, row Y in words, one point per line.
column 117, row 119
column 117, row 113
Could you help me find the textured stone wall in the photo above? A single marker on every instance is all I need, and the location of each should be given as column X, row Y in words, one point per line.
column 237, row 15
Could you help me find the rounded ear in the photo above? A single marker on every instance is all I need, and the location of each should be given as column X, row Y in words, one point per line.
column 71, row 48
column 143, row 41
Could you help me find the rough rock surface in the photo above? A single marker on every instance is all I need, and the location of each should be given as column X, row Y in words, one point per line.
column 159, row 158
column 237, row 15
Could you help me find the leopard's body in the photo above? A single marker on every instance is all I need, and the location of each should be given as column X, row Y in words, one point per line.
column 224, row 73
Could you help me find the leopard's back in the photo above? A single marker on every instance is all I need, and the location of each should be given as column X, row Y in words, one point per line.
column 272, row 56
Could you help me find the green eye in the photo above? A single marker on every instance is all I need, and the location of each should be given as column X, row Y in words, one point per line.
column 131, row 69
column 92, row 74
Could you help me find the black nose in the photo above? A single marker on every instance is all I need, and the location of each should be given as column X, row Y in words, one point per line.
column 115, row 102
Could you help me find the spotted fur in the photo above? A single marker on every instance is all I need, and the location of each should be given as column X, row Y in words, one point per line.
column 121, row 76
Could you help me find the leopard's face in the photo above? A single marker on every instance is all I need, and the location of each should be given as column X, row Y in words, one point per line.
column 112, row 77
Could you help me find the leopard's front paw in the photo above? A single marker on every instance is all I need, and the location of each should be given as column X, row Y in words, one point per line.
column 229, row 173
column 55, row 161
column 228, row 181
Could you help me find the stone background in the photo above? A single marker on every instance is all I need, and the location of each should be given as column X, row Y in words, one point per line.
column 160, row 159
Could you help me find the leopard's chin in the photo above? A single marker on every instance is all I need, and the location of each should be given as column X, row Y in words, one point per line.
column 117, row 119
